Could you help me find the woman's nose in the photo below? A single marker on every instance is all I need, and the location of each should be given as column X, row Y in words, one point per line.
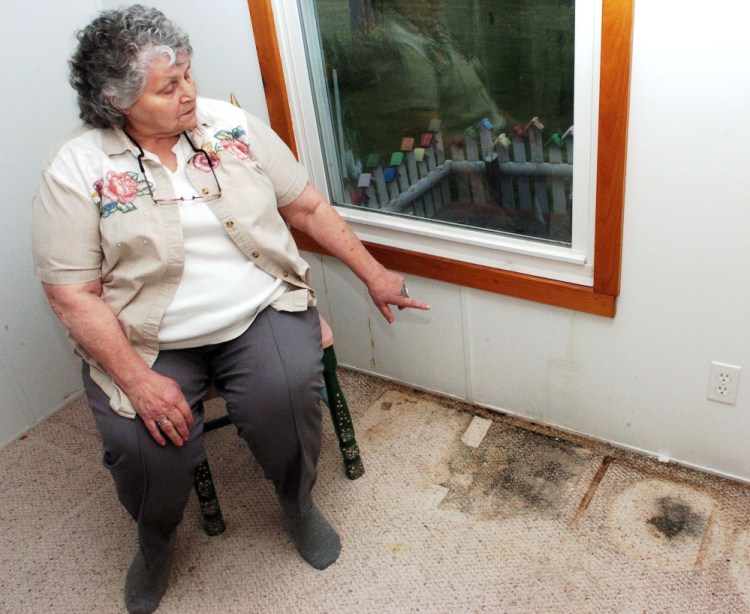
column 188, row 91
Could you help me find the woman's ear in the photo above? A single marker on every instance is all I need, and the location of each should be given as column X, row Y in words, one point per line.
column 112, row 104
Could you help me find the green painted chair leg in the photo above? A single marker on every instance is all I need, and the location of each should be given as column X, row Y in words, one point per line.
column 213, row 521
column 342, row 420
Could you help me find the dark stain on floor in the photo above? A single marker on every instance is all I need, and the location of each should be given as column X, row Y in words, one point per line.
column 676, row 518
column 514, row 471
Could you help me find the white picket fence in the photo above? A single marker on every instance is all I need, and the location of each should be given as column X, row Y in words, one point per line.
column 515, row 183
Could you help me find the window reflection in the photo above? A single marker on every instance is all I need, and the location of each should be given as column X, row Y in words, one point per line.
column 457, row 111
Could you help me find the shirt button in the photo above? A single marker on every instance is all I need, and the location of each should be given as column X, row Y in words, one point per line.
column 230, row 224
column 206, row 191
column 256, row 253
column 285, row 274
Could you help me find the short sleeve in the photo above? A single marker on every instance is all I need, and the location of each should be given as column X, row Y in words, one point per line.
column 65, row 233
column 286, row 174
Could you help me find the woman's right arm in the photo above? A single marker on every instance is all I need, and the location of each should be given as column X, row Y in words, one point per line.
column 93, row 325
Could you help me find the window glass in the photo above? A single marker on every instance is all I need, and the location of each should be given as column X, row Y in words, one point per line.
column 455, row 111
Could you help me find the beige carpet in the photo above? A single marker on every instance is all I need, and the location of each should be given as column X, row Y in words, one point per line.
column 460, row 510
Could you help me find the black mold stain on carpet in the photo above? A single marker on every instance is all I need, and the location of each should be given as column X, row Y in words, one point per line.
column 514, row 471
column 675, row 518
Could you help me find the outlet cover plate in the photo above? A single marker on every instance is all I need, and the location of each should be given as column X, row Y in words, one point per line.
column 723, row 382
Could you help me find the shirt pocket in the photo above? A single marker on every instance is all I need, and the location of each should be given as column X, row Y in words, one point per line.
column 130, row 232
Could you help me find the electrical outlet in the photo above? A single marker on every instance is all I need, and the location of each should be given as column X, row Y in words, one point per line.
column 723, row 381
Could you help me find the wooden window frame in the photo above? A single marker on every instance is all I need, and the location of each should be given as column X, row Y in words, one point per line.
column 614, row 91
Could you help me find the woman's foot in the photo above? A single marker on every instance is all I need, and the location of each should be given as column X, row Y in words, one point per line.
column 143, row 588
column 316, row 540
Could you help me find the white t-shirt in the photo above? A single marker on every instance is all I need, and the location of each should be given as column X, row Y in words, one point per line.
column 221, row 290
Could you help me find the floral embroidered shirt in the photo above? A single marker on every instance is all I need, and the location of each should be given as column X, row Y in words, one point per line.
column 94, row 218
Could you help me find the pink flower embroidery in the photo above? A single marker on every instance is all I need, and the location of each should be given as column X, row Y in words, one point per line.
column 234, row 142
column 117, row 191
column 119, row 187
column 200, row 162
column 238, row 148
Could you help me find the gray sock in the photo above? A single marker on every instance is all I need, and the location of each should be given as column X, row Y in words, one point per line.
column 144, row 589
column 315, row 538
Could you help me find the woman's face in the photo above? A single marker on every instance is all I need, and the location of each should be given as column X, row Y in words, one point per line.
column 167, row 105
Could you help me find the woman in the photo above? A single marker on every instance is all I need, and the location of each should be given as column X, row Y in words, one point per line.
column 402, row 61
column 161, row 240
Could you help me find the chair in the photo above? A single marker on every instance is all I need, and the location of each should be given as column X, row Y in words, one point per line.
column 213, row 521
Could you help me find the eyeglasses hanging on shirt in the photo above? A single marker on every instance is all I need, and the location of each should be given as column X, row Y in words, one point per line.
column 171, row 201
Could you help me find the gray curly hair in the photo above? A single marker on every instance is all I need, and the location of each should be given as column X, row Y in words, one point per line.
column 109, row 68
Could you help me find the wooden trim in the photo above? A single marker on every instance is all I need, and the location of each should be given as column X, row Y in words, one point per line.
column 614, row 89
column 271, row 70
column 538, row 289
column 614, row 102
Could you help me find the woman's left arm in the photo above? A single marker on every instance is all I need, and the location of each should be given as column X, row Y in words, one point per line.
column 312, row 214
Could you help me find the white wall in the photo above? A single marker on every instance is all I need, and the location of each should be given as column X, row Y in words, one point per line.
column 638, row 380
column 37, row 374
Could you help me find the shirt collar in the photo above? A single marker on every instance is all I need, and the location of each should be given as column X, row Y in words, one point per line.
column 115, row 142
column 205, row 118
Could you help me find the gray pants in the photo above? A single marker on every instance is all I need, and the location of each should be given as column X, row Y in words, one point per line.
column 270, row 378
